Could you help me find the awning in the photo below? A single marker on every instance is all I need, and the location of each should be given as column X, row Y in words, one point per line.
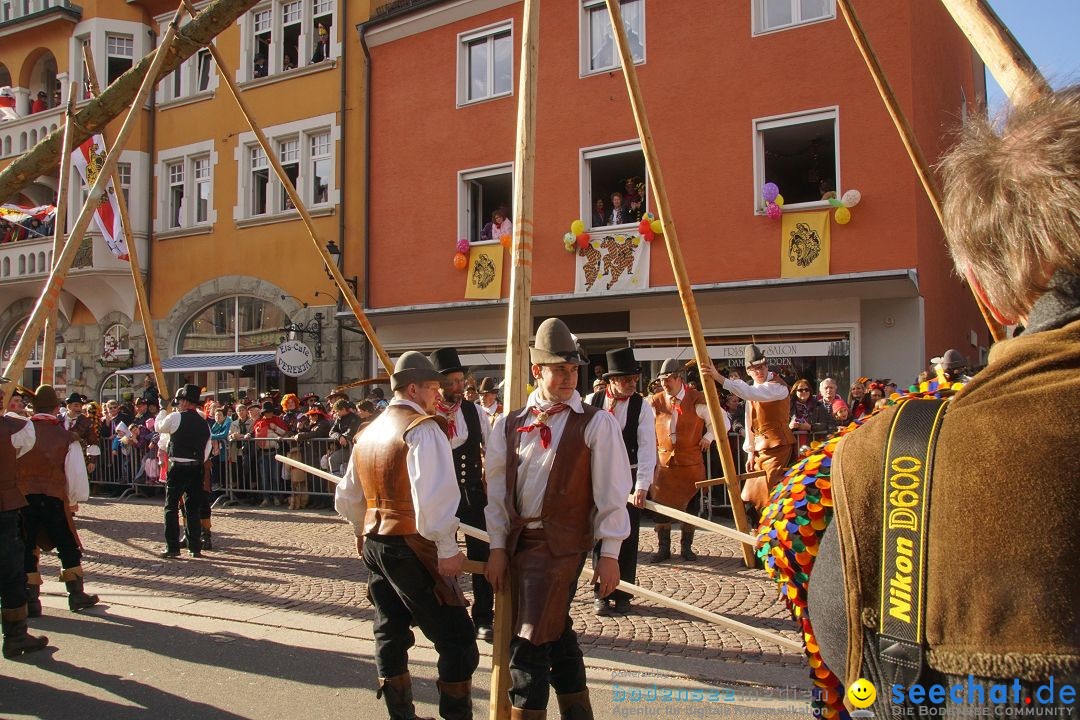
column 202, row 363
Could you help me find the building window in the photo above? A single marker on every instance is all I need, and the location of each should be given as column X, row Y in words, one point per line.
column 599, row 52
column 119, row 56
column 798, row 153
column 615, row 191
column 192, row 77
column 201, row 168
column 176, row 195
column 320, row 168
column 485, row 63
column 233, row 324
column 770, row 15
column 481, row 193
column 288, row 34
column 307, row 158
column 123, row 173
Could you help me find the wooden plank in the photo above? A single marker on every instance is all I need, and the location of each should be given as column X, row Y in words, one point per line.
column 746, row 539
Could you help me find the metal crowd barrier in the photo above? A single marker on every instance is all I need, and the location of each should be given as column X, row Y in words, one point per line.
column 246, row 471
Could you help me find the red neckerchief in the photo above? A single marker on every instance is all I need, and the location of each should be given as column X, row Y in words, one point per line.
column 676, row 405
column 47, row 418
column 450, row 411
column 614, row 400
column 542, row 416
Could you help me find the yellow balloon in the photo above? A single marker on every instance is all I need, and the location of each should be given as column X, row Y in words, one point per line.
column 842, row 215
column 577, row 227
column 656, row 227
column 779, row 200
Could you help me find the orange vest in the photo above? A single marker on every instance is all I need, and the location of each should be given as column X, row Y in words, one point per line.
column 769, row 421
column 10, row 497
column 689, row 428
column 41, row 471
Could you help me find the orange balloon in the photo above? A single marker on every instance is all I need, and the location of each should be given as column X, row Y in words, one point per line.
column 460, row 261
column 506, row 241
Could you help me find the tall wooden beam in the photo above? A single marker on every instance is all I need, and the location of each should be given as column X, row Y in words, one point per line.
column 298, row 203
column 50, row 294
column 682, row 278
column 141, row 302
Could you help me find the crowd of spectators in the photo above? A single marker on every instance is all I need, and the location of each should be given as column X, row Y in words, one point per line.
column 29, row 229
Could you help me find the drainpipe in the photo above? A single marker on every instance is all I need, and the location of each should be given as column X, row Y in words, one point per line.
column 343, row 196
column 152, row 133
column 367, row 178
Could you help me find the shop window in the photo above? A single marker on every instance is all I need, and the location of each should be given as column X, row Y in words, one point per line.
column 482, row 193
column 615, row 191
column 770, row 15
column 485, row 63
column 233, row 324
column 599, row 52
column 799, row 154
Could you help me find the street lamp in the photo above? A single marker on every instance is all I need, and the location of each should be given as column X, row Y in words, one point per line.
column 335, row 253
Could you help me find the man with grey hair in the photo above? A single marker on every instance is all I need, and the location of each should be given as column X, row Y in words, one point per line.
column 983, row 612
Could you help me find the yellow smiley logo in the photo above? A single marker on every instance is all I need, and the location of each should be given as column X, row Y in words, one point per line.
column 862, row 693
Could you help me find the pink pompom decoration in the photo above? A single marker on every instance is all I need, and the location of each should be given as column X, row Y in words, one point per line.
column 773, row 211
column 463, row 245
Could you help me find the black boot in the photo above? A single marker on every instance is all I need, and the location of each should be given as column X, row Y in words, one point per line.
column 78, row 599
column 663, row 539
column 686, row 541
column 397, row 692
column 16, row 639
column 455, row 700
column 575, row 706
column 33, row 601
column 207, row 543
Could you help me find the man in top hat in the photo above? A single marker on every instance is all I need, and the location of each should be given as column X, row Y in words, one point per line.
column 769, row 441
column 75, row 421
column 468, row 435
column 489, row 400
column 558, row 479
column 638, row 423
column 189, row 448
column 683, row 432
column 52, row 476
column 400, row 495
column 17, row 437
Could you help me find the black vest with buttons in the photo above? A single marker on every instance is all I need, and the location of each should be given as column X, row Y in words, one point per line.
column 189, row 440
column 633, row 415
column 468, row 459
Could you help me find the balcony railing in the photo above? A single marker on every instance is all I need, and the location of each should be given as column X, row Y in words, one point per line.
column 32, row 259
column 18, row 136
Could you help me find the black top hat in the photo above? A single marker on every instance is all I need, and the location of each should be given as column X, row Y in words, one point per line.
column 621, row 362
column 189, row 392
column 487, row 385
column 446, row 360
column 753, row 355
column 267, row 407
column 555, row 344
column 413, row 367
column 74, row 398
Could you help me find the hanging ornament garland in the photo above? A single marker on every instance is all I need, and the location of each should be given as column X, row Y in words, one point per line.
column 843, row 206
column 461, row 260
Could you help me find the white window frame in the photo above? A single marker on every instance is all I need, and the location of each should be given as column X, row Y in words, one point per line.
column 776, row 121
column 303, row 131
column 315, row 154
column 463, row 40
column 174, row 177
column 757, row 20
column 110, row 53
column 305, row 43
column 187, row 156
column 585, row 178
column 197, row 181
column 188, row 74
column 585, row 39
column 463, row 178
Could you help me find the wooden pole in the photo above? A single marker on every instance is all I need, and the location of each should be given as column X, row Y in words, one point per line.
column 48, row 340
column 907, row 135
column 133, row 256
column 682, row 279
column 1006, row 59
column 298, row 203
column 624, row 586
column 50, row 294
column 702, row 523
column 519, row 320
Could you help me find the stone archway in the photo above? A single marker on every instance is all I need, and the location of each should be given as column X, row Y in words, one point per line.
column 5, row 75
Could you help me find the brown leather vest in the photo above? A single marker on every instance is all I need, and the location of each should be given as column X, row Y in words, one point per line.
column 380, row 462
column 568, row 499
column 769, row 420
column 41, row 471
column 689, row 429
column 10, row 497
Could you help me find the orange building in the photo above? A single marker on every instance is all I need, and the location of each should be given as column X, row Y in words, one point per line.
column 738, row 94
column 230, row 268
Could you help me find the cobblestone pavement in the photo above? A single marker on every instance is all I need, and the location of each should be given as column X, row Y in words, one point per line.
column 306, row 561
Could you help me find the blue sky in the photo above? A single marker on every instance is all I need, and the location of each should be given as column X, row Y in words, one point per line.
column 1050, row 32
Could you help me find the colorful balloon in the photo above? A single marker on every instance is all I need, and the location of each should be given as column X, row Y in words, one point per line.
column 656, row 227
column 779, row 200
column 835, row 203
column 583, row 240
column 769, row 191
column 643, row 226
column 462, row 245
column 577, row 227
column 773, row 211
column 507, row 241
column 842, row 215
column 460, row 261
column 851, row 198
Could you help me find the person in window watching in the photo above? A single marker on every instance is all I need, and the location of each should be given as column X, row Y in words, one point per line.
column 632, row 198
column 619, row 215
column 500, row 225
column 260, row 69
column 599, row 214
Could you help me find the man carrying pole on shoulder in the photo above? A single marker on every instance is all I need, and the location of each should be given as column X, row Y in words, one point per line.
column 400, row 495
column 558, row 479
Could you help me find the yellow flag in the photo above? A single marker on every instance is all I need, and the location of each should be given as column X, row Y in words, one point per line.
column 484, row 280
column 804, row 244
